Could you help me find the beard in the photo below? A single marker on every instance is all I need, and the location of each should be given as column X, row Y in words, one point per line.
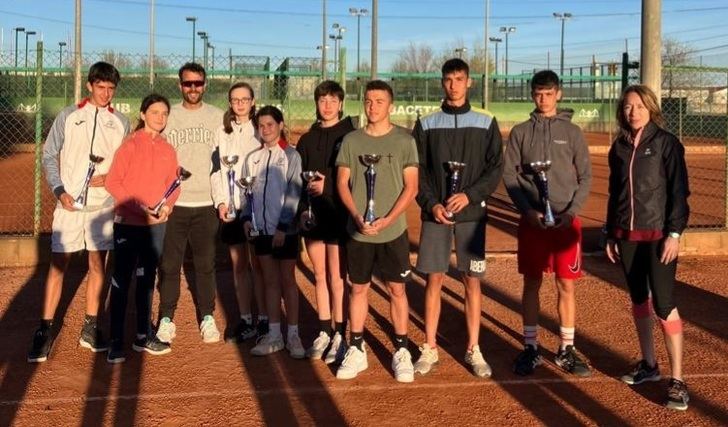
column 192, row 97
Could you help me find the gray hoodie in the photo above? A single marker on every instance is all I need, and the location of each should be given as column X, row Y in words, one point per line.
column 548, row 138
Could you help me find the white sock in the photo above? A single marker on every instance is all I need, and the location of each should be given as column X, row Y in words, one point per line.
column 274, row 329
column 292, row 330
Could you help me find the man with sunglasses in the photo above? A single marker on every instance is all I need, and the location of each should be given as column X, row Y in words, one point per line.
column 191, row 131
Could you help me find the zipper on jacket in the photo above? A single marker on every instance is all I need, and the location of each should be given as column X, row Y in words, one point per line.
column 631, row 188
column 265, row 190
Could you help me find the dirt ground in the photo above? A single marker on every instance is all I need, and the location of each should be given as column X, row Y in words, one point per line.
column 222, row 384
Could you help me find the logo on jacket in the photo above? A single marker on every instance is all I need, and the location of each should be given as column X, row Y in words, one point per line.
column 110, row 124
column 560, row 141
column 80, row 122
column 648, row 151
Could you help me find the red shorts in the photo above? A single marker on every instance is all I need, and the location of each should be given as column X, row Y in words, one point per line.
column 549, row 251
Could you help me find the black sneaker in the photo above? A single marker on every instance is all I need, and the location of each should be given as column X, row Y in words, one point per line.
column 262, row 329
column 116, row 352
column 41, row 346
column 243, row 332
column 677, row 395
column 569, row 361
column 92, row 339
column 527, row 361
column 642, row 372
column 151, row 345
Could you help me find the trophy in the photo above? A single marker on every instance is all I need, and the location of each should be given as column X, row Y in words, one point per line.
column 182, row 174
column 371, row 176
column 246, row 183
column 310, row 221
column 80, row 201
column 540, row 169
column 456, row 169
column 230, row 161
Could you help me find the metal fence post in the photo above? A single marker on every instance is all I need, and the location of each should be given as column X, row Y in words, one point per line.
column 38, row 137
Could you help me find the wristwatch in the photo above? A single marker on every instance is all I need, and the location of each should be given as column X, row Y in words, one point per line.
column 674, row 235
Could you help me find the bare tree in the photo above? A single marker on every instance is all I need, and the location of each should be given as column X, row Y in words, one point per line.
column 116, row 59
column 415, row 58
column 675, row 53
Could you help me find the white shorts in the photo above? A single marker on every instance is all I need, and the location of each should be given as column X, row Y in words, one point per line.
column 90, row 230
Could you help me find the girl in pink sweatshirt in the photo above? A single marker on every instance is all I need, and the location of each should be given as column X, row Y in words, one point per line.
column 143, row 168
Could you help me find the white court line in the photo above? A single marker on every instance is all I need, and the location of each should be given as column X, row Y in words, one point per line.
column 342, row 387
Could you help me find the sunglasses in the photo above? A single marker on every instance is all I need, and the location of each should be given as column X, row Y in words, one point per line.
column 193, row 83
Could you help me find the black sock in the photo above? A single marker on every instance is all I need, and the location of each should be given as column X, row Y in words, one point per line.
column 46, row 324
column 89, row 320
column 340, row 327
column 325, row 326
column 400, row 341
column 357, row 340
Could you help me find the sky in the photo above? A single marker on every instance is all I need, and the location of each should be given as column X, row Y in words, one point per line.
column 598, row 29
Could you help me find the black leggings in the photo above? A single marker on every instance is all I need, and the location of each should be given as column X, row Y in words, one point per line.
column 137, row 249
column 647, row 275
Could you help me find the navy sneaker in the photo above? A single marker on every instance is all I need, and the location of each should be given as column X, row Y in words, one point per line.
column 527, row 361
column 92, row 338
column 152, row 345
column 569, row 361
column 116, row 352
column 677, row 395
column 642, row 372
column 41, row 346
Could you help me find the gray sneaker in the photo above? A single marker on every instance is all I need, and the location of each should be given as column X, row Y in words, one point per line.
column 208, row 330
column 477, row 363
column 428, row 359
column 166, row 331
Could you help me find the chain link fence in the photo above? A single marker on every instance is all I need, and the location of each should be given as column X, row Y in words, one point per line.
column 32, row 95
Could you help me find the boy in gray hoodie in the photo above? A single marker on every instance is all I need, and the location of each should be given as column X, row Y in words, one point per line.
column 548, row 135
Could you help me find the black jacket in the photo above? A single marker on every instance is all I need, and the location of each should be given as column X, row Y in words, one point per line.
column 648, row 186
column 464, row 135
column 318, row 149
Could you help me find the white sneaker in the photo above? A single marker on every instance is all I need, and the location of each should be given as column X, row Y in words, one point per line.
column 404, row 372
column 267, row 344
column 337, row 351
column 208, row 329
column 477, row 363
column 319, row 346
column 355, row 361
column 295, row 347
column 166, row 331
column 428, row 359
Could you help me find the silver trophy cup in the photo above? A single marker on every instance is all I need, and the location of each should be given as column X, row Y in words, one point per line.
column 454, row 178
column 371, row 177
column 246, row 183
column 182, row 174
column 540, row 168
column 310, row 220
column 229, row 162
column 80, row 201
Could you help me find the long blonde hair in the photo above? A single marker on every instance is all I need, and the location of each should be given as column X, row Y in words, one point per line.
column 648, row 98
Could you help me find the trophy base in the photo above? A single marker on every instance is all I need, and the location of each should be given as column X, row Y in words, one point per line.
column 231, row 216
column 78, row 206
column 254, row 233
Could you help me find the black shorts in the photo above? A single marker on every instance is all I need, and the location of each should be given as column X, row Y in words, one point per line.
column 391, row 258
column 330, row 224
column 263, row 245
column 232, row 233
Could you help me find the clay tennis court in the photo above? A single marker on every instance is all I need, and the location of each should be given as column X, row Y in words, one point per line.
column 221, row 384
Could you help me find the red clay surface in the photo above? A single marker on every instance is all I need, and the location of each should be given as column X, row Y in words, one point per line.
column 221, row 384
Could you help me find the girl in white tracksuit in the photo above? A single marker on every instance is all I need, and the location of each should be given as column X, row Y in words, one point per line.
column 276, row 167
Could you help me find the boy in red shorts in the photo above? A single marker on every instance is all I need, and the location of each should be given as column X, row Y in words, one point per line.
column 548, row 135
